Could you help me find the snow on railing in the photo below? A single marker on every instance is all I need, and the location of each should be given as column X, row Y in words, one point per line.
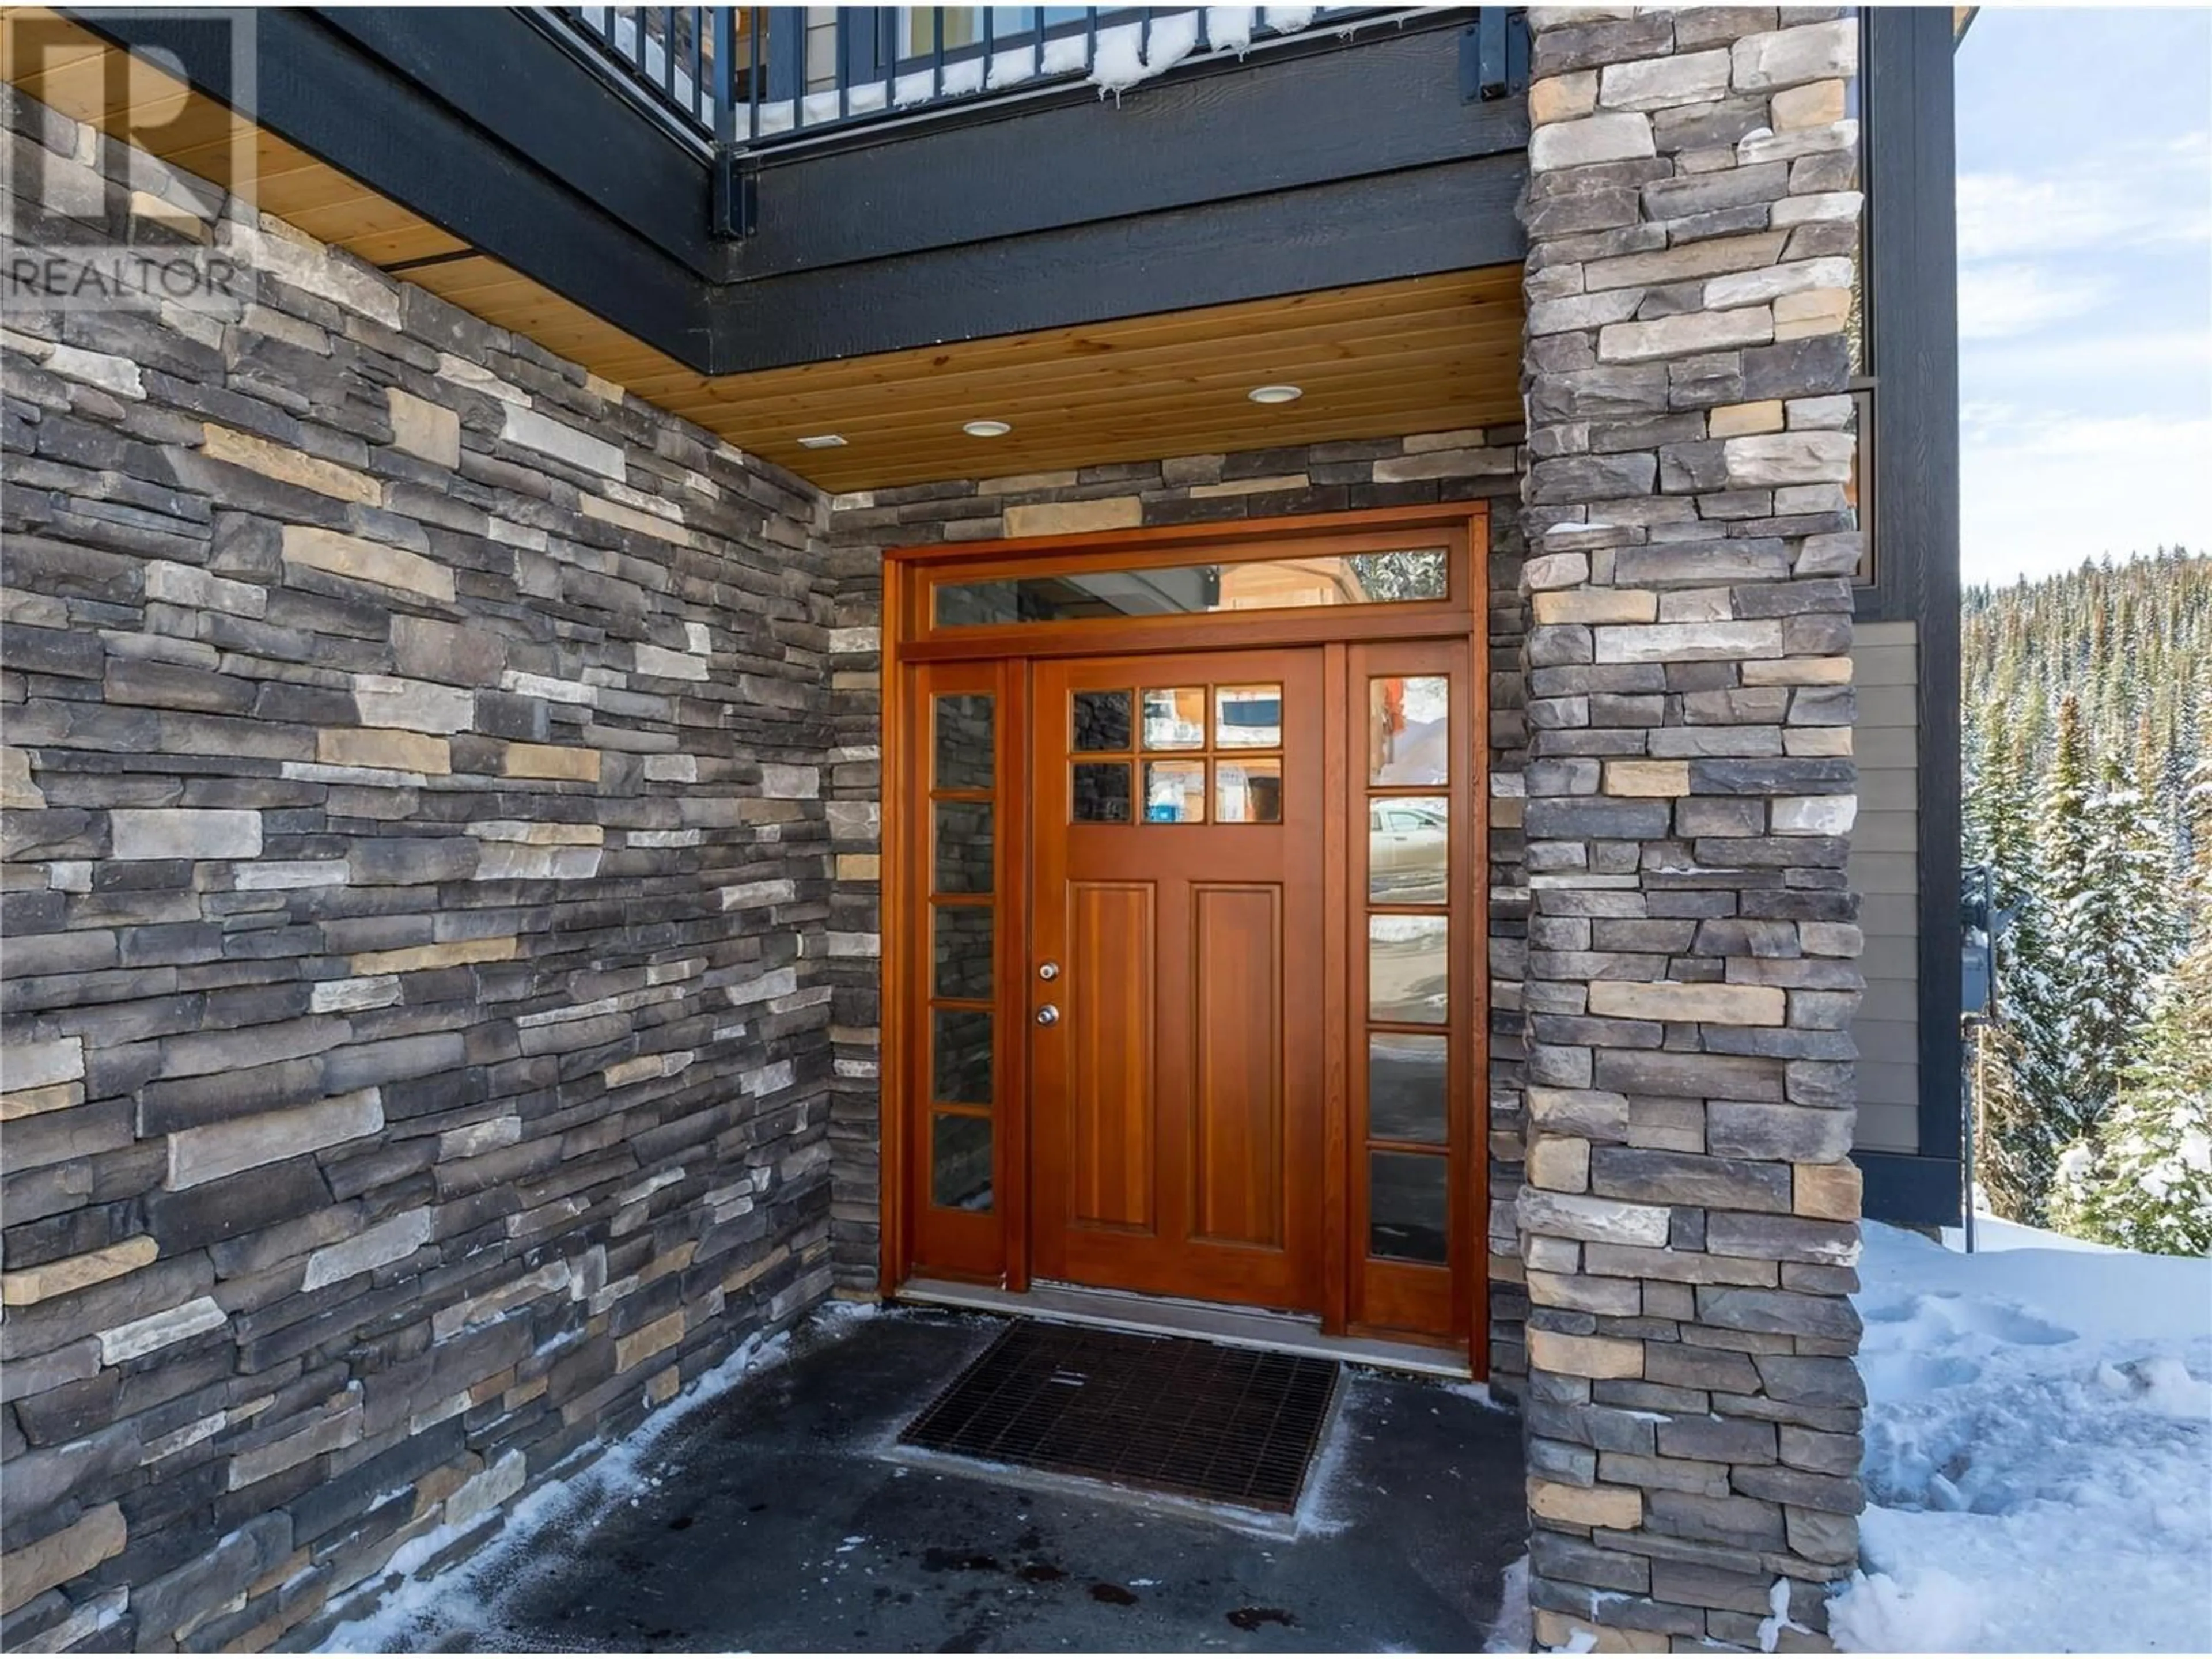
column 742, row 76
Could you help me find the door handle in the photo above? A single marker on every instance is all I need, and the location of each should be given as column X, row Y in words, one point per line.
column 1047, row 970
column 1047, row 1015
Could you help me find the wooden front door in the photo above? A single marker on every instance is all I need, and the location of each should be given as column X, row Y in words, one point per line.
column 1206, row 800
column 1176, row 978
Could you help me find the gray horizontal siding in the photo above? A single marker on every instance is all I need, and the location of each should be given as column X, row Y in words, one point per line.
column 1886, row 872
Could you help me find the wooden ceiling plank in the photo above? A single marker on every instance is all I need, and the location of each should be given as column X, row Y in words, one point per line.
column 1081, row 445
column 63, row 42
column 78, row 88
column 955, row 453
column 393, row 247
column 1261, row 360
column 1117, row 334
column 1262, row 352
column 1062, row 405
column 272, row 155
column 825, row 472
column 1223, row 387
column 368, row 216
column 200, row 122
column 1120, row 337
column 322, row 192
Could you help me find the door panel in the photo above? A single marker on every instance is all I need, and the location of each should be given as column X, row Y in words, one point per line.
column 1175, row 1099
column 1238, row 1028
column 1109, row 1002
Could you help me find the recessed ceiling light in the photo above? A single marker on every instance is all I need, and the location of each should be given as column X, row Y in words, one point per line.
column 985, row 428
column 1276, row 394
column 822, row 440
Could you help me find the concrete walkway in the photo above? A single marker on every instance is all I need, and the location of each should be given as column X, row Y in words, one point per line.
column 783, row 1518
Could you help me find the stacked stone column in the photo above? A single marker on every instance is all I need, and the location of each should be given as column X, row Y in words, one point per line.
column 1690, row 1219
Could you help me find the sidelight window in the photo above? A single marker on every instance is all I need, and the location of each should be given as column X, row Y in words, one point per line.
column 1409, row 862
column 964, row 868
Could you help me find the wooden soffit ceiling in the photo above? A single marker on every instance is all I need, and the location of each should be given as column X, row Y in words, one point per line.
column 1429, row 354
column 1425, row 354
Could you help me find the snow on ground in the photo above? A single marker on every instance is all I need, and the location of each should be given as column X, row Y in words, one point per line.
column 1514, row 1631
column 2038, row 1461
column 1994, row 1233
column 427, row 1609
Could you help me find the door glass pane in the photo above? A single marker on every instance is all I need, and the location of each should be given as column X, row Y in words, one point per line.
column 1248, row 791
column 1176, row 719
column 1408, row 1205
column 1329, row 579
column 960, row 1056
column 962, row 936
column 1408, row 844
column 1408, row 969
column 978, row 604
column 965, row 846
column 1406, row 1087
column 1408, row 734
column 964, row 741
column 1247, row 717
column 1102, row 792
column 1102, row 722
column 1174, row 792
column 960, row 1162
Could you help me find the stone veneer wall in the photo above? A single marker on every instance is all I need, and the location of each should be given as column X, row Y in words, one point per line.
column 1690, row 1222
column 415, row 896
column 1331, row 477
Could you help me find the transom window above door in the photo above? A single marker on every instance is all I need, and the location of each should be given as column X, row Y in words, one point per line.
column 1177, row 754
column 1398, row 573
column 1387, row 576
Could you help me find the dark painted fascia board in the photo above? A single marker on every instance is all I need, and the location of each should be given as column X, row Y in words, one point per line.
column 1230, row 131
column 1419, row 223
column 522, row 87
column 1908, row 1191
column 1912, row 194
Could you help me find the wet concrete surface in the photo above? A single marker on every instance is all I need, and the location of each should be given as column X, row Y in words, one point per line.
column 781, row 1517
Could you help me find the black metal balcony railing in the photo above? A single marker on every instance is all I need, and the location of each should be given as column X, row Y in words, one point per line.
column 744, row 76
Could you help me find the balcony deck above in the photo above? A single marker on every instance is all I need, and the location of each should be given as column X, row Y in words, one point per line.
column 750, row 76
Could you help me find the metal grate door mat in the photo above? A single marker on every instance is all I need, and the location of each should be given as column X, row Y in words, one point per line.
column 1164, row 1414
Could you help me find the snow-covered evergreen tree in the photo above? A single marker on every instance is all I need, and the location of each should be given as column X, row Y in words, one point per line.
column 2021, row 1059
column 2066, row 879
column 2089, row 794
column 2015, row 1154
column 2118, row 932
column 2145, row 1181
column 2195, row 852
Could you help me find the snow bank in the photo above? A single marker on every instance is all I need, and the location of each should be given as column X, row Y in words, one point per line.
column 427, row 1612
column 1514, row 1631
column 2039, row 1461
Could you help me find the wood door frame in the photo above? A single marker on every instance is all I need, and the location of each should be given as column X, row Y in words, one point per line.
column 907, row 572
